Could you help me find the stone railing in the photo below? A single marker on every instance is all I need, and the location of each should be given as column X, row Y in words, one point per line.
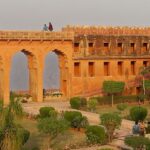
column 35, row 35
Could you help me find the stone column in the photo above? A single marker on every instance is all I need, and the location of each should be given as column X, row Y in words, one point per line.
column 36, row 78
column 5, row 81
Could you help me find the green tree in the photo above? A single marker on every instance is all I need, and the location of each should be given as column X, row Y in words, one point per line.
column 92, row 103
column 113, row 87
column 138, row 113
column 111, row 121
column 52, row 127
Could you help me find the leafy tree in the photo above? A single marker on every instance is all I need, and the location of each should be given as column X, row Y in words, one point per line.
column 92, row 103
column 52, row 127
column 95, row 134
column 111, row 121
column 138, row 113
column 113, row 87
column 138, row 142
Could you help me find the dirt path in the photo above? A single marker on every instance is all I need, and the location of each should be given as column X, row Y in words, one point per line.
column 125, row 129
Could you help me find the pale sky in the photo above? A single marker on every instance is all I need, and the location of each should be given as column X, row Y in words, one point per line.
column 32, row 14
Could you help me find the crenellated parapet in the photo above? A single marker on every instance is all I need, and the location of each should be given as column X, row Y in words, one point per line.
column 107, row 30
column 35, row 35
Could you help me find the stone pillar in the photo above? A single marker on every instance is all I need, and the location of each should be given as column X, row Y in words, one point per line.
column 36, row 79
column 5, row 81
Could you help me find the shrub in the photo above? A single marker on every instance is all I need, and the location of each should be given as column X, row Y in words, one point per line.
column 138, row 113
column 122, row 107
column 92, row 103
column 83, row 101
column 111, row 121
column 76, row 119
column 141, row 97
column 45, row 111
column 95, row 134
column 137, row 142
column 75, row 102
column 26, row 135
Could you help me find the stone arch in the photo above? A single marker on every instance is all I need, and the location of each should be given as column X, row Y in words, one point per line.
column 32, row 61
column 63, row 68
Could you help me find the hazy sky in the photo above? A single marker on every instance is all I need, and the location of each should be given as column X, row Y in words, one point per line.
column 32, row 14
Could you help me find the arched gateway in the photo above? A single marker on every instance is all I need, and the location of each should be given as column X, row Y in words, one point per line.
column 35, row 45
column 87, row 57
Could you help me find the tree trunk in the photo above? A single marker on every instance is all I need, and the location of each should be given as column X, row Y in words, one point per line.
column 112, row 100
column 143, row 86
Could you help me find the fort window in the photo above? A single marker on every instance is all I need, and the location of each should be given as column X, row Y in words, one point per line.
column 120, row 68
column 145, row 63
column 106, row 69
column 132, row 47
column 144, row 47
column 91, row 49
column 106, row 48
column 133, row 67
column 76, row 47
column 91, row 69
column 77, row 71
column 119, row 48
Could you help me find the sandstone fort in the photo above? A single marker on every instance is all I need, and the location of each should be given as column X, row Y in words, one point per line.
column 87, row 55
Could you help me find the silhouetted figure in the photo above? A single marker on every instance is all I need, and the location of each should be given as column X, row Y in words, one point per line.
column 45, row 27
column 50, row 28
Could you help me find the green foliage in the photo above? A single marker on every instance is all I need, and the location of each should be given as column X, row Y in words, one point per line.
column 75, row 102
column 47, row 112
column 137, row 142
column 122, row 107
column 138, row 113
column 76, row 119
column 26, row 135
column 147, row 84
column 141, row 97
column 92, row 103
column 52, row 127
column 113, row 87
column 106, row 100
column 111, row 121
column 78, row 102
column 95, row 134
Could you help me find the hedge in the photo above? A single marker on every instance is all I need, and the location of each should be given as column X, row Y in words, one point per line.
column 106, row 100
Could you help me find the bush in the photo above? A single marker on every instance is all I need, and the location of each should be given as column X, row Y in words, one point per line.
column 141, row 97
column 45, row 111
column 95, row 134
column 138, row 113
column 78, row 102
column 76, row 119
column 75, row 102
column 122, row 107
column 137, row 142
column 26, row 135
column 92, row 103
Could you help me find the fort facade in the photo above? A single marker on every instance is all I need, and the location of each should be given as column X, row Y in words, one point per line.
column 87, row 56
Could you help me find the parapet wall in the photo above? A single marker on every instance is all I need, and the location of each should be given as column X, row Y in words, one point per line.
column 106, row 30
column 35, row 35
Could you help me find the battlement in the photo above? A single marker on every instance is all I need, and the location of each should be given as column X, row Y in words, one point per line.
column 107, row 30
column 35, row 35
